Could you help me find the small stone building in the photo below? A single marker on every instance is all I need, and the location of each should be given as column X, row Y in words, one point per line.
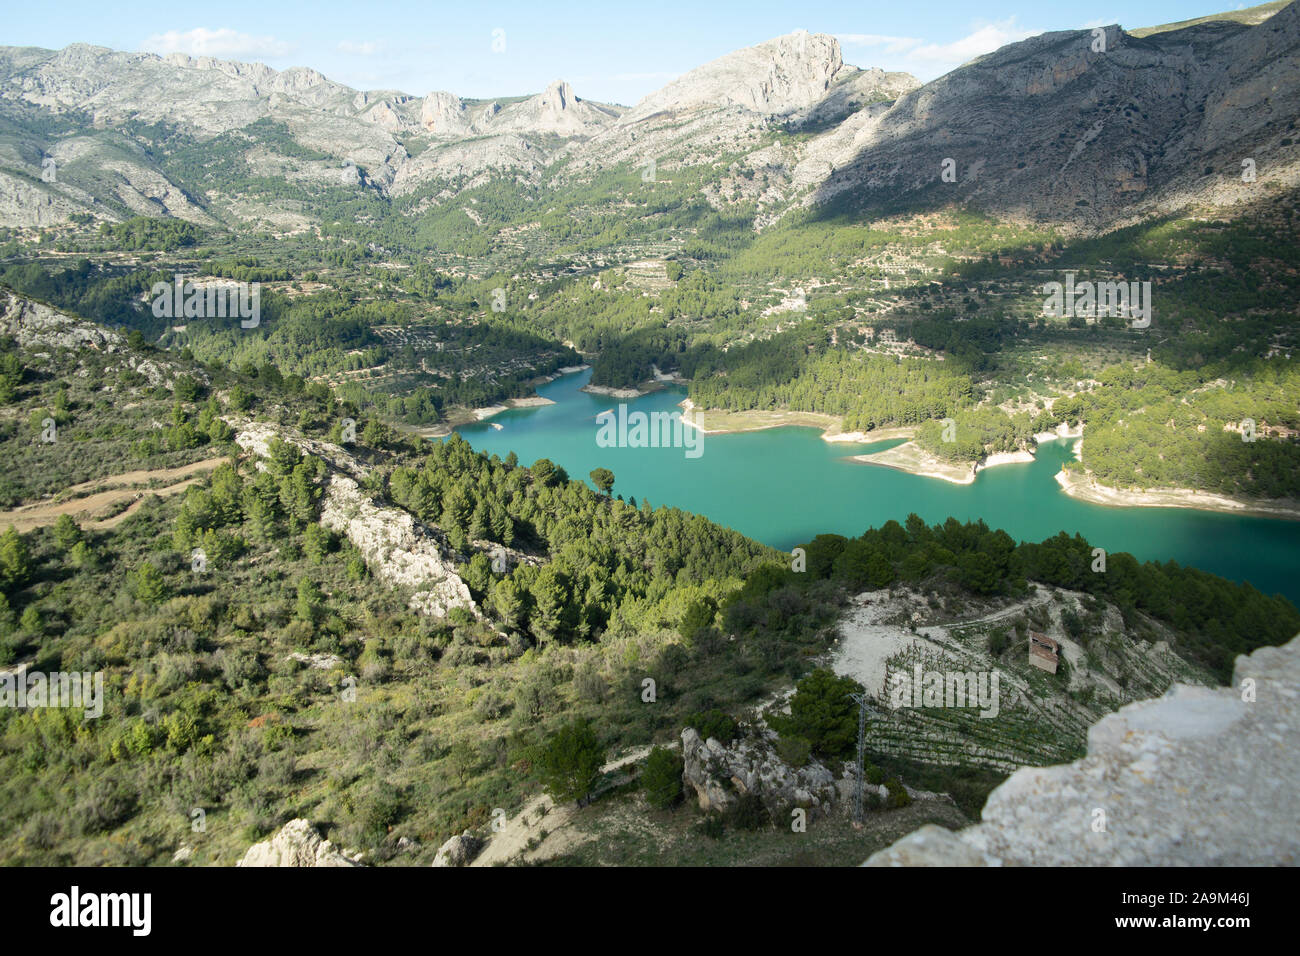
column 1043, row 651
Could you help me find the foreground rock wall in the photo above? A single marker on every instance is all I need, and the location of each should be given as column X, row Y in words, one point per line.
column 1200, row 777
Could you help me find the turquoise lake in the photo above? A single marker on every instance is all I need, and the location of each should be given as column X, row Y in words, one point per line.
column 782, row 486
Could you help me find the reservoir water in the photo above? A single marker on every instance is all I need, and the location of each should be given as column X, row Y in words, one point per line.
column 782, row 486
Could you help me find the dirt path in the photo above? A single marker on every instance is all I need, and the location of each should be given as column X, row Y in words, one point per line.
column 91, row 498
column 541, row 813
column 1040, row 597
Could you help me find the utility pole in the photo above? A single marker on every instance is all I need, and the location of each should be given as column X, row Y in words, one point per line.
column 861, row 700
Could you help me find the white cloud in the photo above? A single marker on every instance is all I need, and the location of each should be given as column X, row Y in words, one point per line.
column 928, row 60
column 220, row 43
column 367, row 48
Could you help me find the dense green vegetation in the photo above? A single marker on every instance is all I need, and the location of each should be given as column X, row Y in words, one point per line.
column 150, row 233
column 1151, row 426
column 285, row 678
column 409, row 306
column 800, row 370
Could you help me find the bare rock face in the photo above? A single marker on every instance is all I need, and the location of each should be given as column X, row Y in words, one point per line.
column 443, row 114
column 1123, row 127
column 851, row 91
column 1200, row 777
column 556, row 110
column 719, row 773
column 25, row 202
column 733, row 103
column 296, row 844
column 397, row 548
column 34, row 325
column 788, row 73
column 477, row 159
column 459, row 850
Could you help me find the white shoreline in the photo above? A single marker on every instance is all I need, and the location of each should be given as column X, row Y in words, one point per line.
column 1084, row 488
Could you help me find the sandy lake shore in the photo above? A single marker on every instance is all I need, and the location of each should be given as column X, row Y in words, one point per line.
column 1085, row 488
column 714, row 421
column 912, row 458
column 616, row 392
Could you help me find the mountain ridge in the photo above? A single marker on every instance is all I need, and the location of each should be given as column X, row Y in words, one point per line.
column 1125, row 127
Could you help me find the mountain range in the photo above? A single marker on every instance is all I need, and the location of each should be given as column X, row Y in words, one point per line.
column 1086, row 129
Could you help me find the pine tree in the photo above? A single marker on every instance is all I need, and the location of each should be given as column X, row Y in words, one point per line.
column 149, row 585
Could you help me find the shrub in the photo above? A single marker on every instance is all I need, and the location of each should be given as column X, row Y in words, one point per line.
column 104, row 803
column 823, row 712
column 570, row 763
column 714, row 723
column 377, row 811
column 749, row 813
column 898, row 795
column 795, row 751
column 148, row 585
column 711, row 826
column 662, row 778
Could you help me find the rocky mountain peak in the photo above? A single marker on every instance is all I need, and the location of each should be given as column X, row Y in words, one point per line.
column 787, row 73
column 557, row 109
column 442, row 113
column 557, row 96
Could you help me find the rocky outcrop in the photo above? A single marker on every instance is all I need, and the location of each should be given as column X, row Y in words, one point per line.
column 1200, row 777
column 26, row 201
column 556, row 110
column 459, row 850
column 296, row 844
column 256, row 437
column 719, row 773
column 323, row 662
column 397, row 549
column 443, row 114
column 788, row 73
column 34, row 325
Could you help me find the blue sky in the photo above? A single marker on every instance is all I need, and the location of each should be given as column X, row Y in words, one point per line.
column 617, row 51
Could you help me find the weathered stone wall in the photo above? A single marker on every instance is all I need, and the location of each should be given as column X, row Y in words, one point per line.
column 1199, row 777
